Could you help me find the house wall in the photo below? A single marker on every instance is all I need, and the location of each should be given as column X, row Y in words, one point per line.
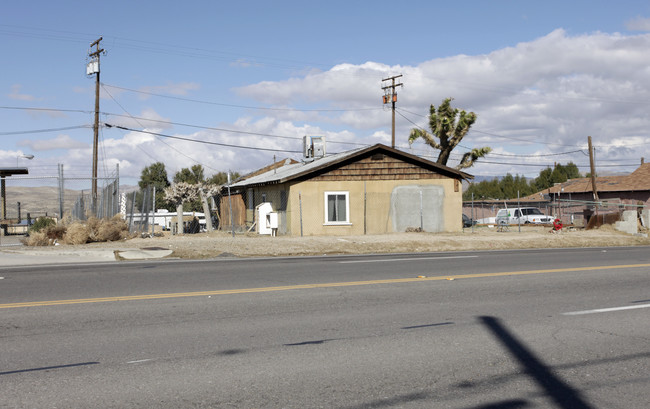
column 376, row 206
column 277, row 195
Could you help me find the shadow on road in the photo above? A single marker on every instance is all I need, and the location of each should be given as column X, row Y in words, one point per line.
column 48, row 368
column 560, row 392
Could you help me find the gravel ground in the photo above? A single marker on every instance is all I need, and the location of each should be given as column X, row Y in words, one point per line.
column 216, row 244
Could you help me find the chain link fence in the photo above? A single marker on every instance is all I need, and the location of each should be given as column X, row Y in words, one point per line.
column 26, row 198
column 570, row 212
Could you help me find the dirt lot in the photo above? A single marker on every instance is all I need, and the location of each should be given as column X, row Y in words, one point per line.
column 209, row 245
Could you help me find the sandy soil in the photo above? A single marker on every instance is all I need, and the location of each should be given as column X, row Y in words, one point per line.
column 216, row 244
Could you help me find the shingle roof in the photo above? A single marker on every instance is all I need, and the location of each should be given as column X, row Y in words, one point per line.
column 292, row 171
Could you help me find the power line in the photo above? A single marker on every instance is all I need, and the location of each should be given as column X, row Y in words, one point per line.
column 157, row 121
column 139, row 147
column 82, row 111
column 222, row 129
column 67, row 128
column 200, row 141
column 238, row 106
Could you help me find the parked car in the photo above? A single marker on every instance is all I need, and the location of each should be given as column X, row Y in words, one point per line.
column 467, row 222
column 522, row 215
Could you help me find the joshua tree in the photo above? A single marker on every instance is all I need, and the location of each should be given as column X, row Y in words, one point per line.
column 449, row 125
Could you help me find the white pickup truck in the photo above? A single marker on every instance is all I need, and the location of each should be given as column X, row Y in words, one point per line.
column 522, row 215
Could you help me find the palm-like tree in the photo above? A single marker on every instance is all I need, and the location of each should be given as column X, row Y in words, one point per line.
column 449, row 125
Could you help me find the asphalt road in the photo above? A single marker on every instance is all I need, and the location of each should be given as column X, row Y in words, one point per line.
column 521, row 329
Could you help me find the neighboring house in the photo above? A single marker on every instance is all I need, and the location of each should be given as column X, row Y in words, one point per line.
column 628, row 189
column 371, row 190
column 575, row 198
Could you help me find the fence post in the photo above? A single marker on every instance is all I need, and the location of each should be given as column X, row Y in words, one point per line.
column 131, row 214
column 232, row 222
column 61, row 191
column 300, row 207
column 520, row 214
column 421, row 217
column 116, row 199
column 473, row 215
column 365, row 209
column 153, row 211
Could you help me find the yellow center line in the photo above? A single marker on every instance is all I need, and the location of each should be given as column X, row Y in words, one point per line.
column 309, row 286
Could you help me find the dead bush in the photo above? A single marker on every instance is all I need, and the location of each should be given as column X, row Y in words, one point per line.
column 97, row 230
column 92, row 226
column 37, row 238
column 77, row 234
column 55, row 232
column 112, row 229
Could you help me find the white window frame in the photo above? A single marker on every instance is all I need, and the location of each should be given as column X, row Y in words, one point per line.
column 345, row 222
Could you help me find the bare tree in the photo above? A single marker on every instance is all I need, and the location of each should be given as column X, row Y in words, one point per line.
column 206, row 190
column 178, row 194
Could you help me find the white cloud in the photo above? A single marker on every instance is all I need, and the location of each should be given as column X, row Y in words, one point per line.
column 16, row 95
column 58, row 142
column 638, row 24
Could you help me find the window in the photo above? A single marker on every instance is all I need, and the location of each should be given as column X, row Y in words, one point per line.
column 337, row 208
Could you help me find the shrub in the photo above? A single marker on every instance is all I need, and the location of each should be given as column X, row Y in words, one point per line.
column 41, row 223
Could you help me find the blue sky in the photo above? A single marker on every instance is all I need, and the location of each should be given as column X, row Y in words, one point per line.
column 541, row 76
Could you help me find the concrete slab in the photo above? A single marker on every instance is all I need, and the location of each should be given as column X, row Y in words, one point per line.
column 141, row 254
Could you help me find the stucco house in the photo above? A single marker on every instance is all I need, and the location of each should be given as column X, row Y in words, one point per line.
column 370, row 190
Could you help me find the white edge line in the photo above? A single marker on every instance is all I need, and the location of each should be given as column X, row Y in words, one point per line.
column 404, row 259
column 596, row 311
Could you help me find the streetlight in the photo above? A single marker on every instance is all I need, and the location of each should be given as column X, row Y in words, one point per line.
column 30, row 157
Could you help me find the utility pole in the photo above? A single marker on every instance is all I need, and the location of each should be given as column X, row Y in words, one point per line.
column 93, row 68
column 593, row 168
column 391, row 96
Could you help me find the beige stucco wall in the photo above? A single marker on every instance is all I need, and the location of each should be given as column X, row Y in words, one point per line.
column 378, row 219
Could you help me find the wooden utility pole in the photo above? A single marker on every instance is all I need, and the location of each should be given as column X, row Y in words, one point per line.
column 593, row 168
column 93, row 68
column 391, row 96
